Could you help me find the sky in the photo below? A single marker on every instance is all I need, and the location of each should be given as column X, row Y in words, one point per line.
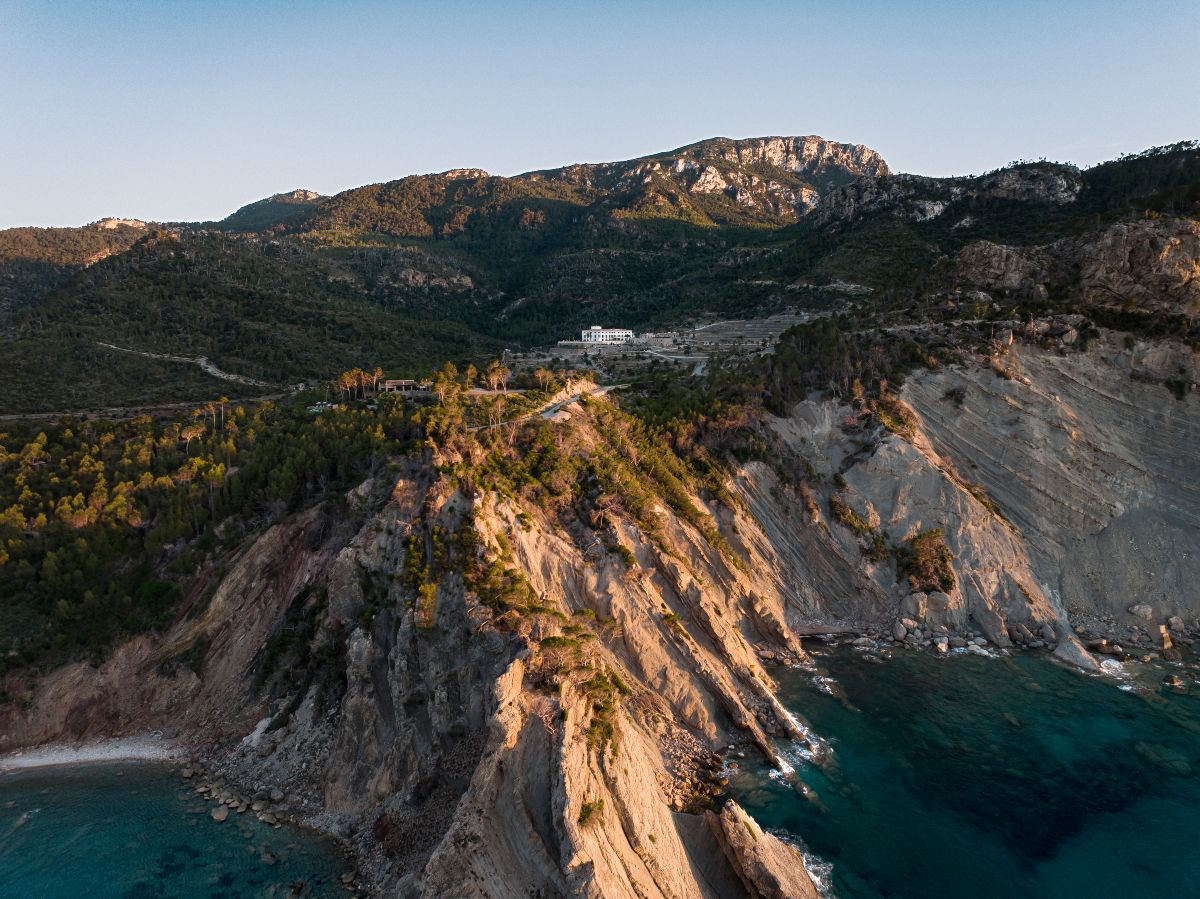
column 184, row 110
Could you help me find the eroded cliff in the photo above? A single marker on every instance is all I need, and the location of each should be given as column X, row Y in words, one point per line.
column 493, row 687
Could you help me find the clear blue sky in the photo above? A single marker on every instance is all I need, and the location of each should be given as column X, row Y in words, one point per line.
column 187, row 109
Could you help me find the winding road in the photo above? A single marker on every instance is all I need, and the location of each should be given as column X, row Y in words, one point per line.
column 203, row 361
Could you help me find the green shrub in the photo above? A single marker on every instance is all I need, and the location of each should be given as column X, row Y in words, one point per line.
column 895, row 415
column 840, row 511
column 926, row 562
column 591, row 813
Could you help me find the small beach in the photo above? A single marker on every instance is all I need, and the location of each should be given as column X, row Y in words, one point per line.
column 144, row 747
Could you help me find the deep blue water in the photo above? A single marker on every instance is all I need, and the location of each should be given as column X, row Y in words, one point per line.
column 990, row 779
column 134, row 831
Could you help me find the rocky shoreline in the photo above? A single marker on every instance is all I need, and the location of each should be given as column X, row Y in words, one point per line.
column 270, row 805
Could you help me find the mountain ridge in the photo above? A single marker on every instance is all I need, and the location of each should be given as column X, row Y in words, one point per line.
column 485, row 261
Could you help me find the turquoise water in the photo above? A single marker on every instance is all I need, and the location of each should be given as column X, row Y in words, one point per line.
column 134, row 831
column 989, row 778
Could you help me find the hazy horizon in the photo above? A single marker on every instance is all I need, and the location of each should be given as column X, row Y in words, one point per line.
column 186, row 111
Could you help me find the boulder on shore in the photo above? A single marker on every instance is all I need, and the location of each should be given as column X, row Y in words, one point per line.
column 1071, row 651
column 766, row 865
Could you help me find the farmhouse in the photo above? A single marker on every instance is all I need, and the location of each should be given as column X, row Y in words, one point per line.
column 402, row 385
column 597, row 334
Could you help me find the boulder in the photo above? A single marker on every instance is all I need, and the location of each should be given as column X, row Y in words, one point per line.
column 1165, row 636
column 1175, row 682
column 1175, row 623
column 1071, row 651
column 914, row 606
column 945, row 610
column 899, row 631
column 1142, row 611
column 220, row 813
column 768, row 867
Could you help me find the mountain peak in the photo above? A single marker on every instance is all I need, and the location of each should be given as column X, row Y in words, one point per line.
column 299, row 195
column 456, row 174
column 112, row 224
column 760, row 180
column 288, row 208
column 806, row 153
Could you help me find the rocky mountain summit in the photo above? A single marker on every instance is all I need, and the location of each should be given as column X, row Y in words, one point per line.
column 286, row 208
column 781, row 178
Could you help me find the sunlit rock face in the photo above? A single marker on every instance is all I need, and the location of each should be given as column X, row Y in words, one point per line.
column 1149, row 264
column 917, row 198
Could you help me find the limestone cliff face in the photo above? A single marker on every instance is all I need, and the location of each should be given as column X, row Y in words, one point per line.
column 1092, row 461
column 568, row 749
column 781, row 177
column 1063, row 483
column 919, row 198
column 1150, row 261
column 994, row 266
column 1149, row 264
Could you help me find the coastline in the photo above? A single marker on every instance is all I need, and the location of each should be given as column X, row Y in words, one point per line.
column 142, row 748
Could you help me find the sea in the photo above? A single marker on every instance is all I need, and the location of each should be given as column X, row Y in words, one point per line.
column 928, row 777
column 134, row 830
column 925, row 777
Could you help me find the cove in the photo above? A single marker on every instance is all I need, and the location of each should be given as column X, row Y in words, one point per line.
column 987, row 778
column 132, row 830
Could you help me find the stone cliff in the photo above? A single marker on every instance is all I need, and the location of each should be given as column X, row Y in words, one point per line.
column 919, row 198
column 781, row 177
column 570, row 743
column 1148, row 265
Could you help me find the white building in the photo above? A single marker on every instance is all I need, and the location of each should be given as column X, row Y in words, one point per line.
column 597, row 334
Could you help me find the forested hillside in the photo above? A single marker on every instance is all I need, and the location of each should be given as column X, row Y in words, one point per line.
column 106, row 527
column 462, row 264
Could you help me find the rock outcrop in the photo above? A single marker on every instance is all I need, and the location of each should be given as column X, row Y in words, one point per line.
column 780, row 177
column 769, row 868
column 1145, row 265
column 918, row 198
column 1090, row 458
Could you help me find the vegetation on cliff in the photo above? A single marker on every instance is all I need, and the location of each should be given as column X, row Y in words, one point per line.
column 105, row 526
